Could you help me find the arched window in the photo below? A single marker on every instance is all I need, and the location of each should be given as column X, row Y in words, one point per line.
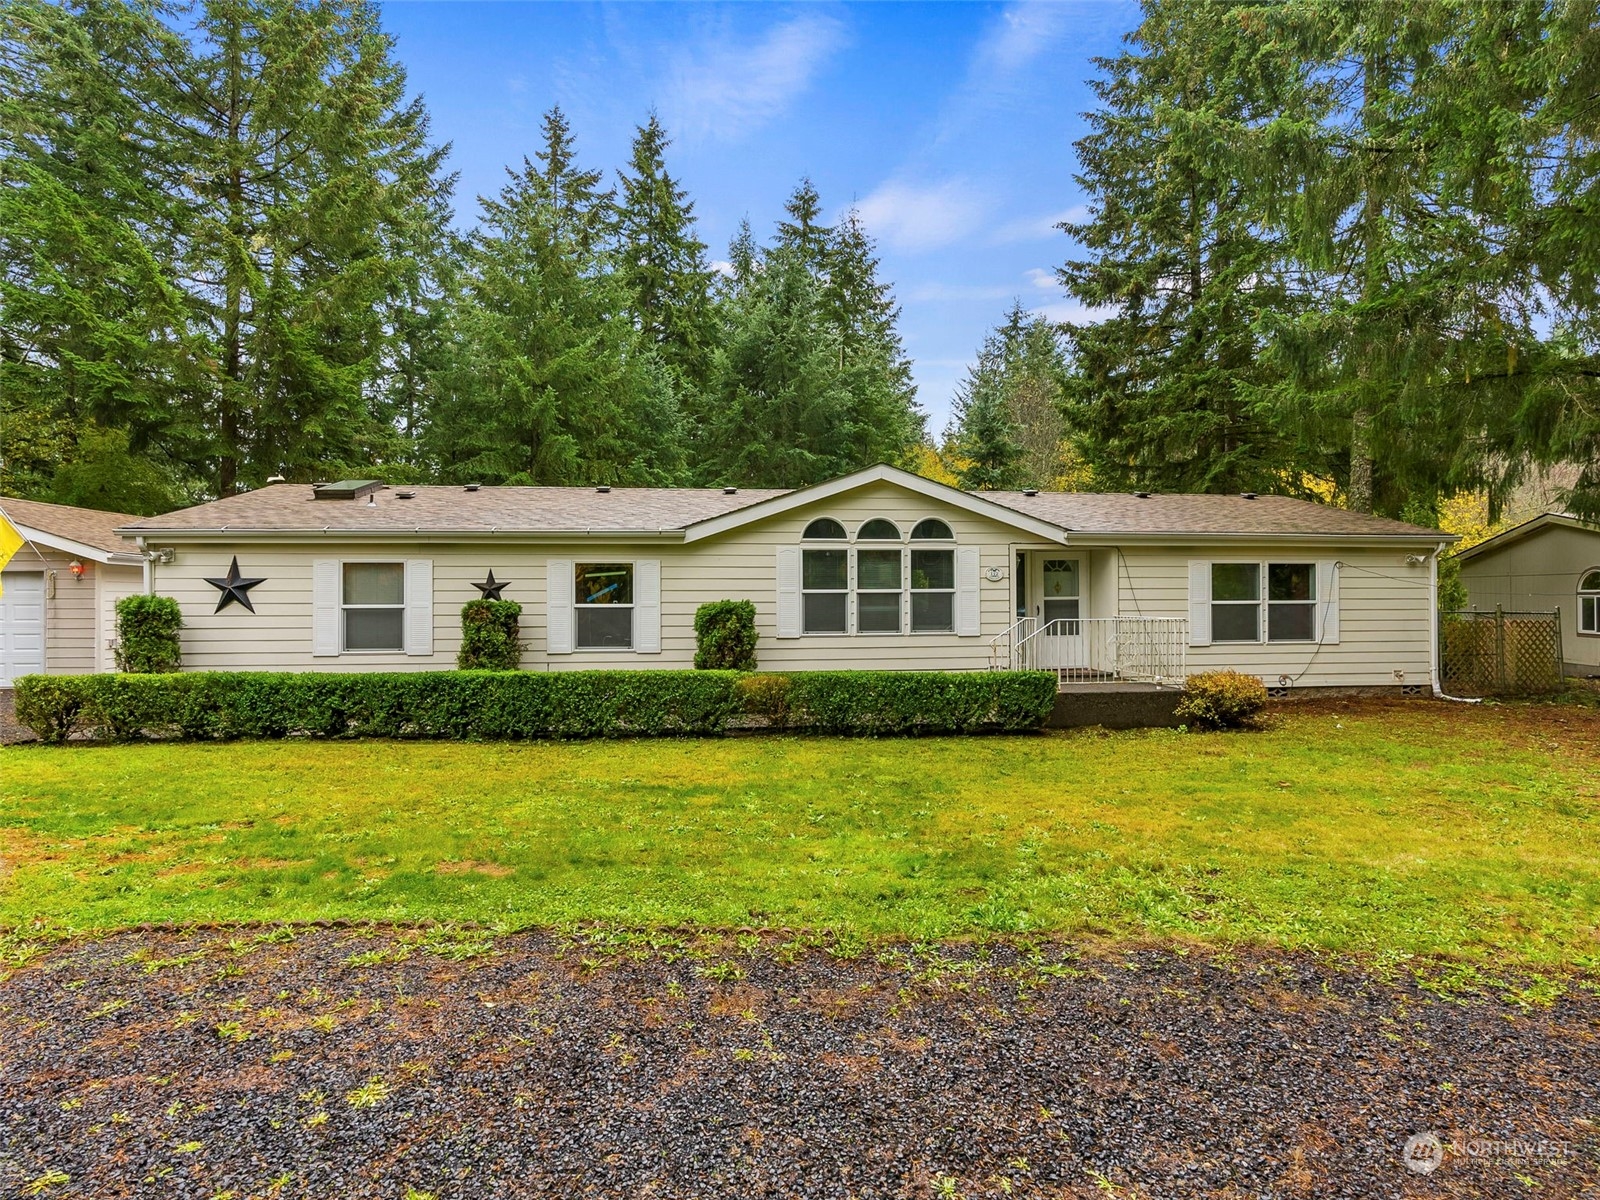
column 878, row 530
column 1589, row 603
column 825, row 529
column 932, row 530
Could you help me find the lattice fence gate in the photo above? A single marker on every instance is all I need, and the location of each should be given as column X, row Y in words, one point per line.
column 1500, row 653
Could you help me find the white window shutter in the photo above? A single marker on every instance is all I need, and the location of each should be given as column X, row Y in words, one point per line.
column 419, row 606
column 647, row 606
column 1199, row 602
column 1328, row 602
column 325, row 637
column 969, row 617
column 788, row 591
column 558, row 606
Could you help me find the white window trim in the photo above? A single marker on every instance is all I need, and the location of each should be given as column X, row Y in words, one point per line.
column 403, row 606
column 858, row 591
column 852, row 544
column 942, row 546
column 1262, row 605
column 632, row 606
column 1591, row 594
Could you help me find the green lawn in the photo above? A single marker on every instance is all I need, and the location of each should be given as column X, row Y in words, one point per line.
column 1425, row 828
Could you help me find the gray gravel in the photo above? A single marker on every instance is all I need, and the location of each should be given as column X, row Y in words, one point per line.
column 358, row 1063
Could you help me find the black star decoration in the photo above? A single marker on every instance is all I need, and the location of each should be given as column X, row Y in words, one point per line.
column 234, row 587
column 491, row 588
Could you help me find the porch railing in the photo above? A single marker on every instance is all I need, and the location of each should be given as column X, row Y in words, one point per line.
column 1101, row 649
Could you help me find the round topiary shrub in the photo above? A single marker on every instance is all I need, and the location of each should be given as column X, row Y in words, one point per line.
column 1221, row 700
column 490, row 636
column 725, row 636
column 147, row 635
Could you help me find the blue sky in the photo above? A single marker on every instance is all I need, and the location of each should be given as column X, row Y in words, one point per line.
column 950, row 125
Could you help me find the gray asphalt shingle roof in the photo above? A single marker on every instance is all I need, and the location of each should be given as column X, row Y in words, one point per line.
column 290, row 507
column 90, row 526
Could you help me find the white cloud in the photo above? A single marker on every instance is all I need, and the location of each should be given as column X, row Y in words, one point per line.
column 1040, row 278
column 1022, row 33
column 912, row 218
column 1068, row 310
column 1040, row 228
column 723, row 89
column 722, row 266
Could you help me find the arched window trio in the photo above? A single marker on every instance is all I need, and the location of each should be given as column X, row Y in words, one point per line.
column 893, row 586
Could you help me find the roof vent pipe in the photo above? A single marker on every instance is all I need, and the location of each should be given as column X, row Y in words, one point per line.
column 730, row 491
column 405, row 495
column 1142, row 495
column 1030, row 491
column 472, row 487
column 372, row 499
column 602, row 489
column 1248, row 495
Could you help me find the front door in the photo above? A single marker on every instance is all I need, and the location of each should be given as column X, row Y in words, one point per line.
column 21, row 625
column 1055, row 595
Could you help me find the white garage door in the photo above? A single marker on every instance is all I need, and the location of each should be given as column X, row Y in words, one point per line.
column 21, row 625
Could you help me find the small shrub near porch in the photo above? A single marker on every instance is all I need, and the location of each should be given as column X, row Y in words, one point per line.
column 725, row 636
column 1221, row 700
column 148, row 635
column 490, row 636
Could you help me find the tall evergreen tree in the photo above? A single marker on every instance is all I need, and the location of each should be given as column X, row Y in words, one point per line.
column 985, row 438
column 779, row 411
column 306, row 158
column 661, row 262
column 802, row 234
column 552, row 384
column 1169, row 391
column 95, row 335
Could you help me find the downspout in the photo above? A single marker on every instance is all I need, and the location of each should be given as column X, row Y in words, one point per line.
column 1433, row 628
column 149, row 567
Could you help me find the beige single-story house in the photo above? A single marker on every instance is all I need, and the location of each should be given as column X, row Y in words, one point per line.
column 1546, row 564
column 880, row 569
column 58, row 593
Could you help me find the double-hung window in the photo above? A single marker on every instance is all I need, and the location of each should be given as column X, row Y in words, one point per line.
column 879, row 588
column 1589, row 603
column 825, row 589
column 933, row 580
column 603, row 599
column 373, row 605
column 1252, row 602
column 1291, row 602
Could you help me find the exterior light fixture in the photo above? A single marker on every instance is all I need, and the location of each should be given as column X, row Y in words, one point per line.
column 77, row 569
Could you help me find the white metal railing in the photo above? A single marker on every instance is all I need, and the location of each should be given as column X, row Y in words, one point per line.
column 1003, row 646
column 1104, row 649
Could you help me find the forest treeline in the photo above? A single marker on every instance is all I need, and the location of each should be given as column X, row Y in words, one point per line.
column 1344, row 249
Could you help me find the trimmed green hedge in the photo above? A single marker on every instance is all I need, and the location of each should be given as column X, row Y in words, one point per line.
column 148, row 634
column 526, row 704
column 725, row 636
column 903, row 702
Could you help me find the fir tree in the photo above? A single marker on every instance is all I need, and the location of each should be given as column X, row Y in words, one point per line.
column 1168, row 391
column 551, row 382
column 984, row 438
column 662, row 263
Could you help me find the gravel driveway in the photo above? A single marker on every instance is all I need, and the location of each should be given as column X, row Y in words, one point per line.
column 355, row 1063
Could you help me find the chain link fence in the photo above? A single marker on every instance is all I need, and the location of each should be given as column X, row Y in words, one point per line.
column 1500, row 653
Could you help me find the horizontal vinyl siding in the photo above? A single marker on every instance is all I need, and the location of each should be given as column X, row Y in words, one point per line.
column 740, row 565
column 1539, row 573
column 1383, row 616
column 70, row 626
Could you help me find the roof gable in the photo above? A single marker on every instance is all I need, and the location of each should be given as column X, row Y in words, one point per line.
column 972, row 502
column 86, row 532
column 1507, row 537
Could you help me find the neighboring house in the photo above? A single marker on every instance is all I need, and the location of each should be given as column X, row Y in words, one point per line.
column 1551, row 562
column 58, row 593
column 879, row 569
